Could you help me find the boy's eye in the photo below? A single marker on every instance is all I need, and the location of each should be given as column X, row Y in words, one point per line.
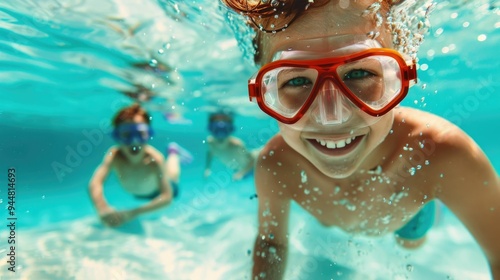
column 357, row 74
column 298, row 81
column 125, row 135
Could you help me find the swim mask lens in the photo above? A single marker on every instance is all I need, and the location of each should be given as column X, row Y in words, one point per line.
column 374, row 80
column 220, row 129
column 129, row 133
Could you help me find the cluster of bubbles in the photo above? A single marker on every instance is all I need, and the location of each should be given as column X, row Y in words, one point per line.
column 243, row 32
column 409, row 23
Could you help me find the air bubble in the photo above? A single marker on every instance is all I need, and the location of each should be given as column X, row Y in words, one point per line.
column 303, row 176
column 412, row 171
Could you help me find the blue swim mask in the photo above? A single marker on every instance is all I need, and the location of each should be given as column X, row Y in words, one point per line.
column 129, row 133
column 220, row 129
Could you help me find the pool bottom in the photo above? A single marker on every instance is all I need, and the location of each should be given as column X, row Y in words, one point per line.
column 216, row 244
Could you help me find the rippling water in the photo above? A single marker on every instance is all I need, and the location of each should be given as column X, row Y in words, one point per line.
column 65, row 66
column 62, row 54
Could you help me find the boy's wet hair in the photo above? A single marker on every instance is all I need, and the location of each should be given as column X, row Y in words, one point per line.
column 128, row 113
column 407, row 19
column 271, row 16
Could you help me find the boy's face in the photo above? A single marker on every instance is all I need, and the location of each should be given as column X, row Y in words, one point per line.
column 132, row 135
column 339, row 148
column 221, row 128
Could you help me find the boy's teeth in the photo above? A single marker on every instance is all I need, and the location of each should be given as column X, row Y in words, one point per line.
column 335, row 144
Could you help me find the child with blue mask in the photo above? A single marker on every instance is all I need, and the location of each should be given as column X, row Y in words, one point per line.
column 230, row 150
column 142, row 170
column 332, row 74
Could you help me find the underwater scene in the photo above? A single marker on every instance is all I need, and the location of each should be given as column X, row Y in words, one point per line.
column 67, row 68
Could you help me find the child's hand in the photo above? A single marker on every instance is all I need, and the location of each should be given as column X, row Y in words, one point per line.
column 116, row 218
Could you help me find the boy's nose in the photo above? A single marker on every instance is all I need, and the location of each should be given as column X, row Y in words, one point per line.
column 136, row 140
column 331, row 107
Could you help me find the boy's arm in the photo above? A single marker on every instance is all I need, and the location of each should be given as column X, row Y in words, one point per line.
column 208, row 163
column 251, row 158
column 209, row 157
column 96, row 183
column 271, row 245
column 470, row 187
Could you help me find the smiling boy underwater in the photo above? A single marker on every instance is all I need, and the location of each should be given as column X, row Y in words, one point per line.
column 332, row 78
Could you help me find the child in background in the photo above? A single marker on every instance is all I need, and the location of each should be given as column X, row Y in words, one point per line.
column 332, row 77
column 230, row 150
column 142, row 170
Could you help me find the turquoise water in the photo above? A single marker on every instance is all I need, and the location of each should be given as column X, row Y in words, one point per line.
column 63, row 67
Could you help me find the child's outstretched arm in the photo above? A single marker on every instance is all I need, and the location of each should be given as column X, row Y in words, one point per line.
column 243, row 170
column 209, row 157
column 208, row 163
column 96, row 184
column 271, row 244
column 470, row 187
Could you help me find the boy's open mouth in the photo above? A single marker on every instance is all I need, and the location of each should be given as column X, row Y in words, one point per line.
column 337, row 147
column 134, row 150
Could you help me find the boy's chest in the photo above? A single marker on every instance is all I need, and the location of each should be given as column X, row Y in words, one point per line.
column 372, row 204
column 138, row 179
column 226, row 149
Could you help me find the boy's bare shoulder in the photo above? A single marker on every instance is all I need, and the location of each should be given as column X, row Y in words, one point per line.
column 276, row 148
column 155, row 155
column 279, row 167
column 236, row 141
column 431, row 126
column 448, row 141
column 111, row 155
column 276, row 154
